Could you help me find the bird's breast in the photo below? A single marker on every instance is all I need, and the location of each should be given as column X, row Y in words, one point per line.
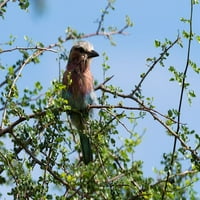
column 81, row 84
column 80, row 92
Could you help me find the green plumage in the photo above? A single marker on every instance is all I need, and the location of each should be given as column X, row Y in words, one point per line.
column 86, row 148
column 80, row 121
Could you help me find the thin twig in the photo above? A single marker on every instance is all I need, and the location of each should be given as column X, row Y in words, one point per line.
column 129, row 96
column 28, row 48
column 70, row 37
column 154, row 115
column 180, row 103
column 121, row 31
column 100, row 85
column 104, row 12
column 104, row 33
column 9, row 129
column 29, row 100
column 9, row 165
column 38, row 51
column 120, row 122
column 35, row 54
column 31, row 154
column 183, row 144
column 181, row 174
column 138, row 86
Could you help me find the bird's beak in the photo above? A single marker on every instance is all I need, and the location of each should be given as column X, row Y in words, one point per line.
column 92, row 54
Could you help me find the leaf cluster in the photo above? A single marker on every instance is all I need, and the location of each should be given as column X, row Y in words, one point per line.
column 43, row 160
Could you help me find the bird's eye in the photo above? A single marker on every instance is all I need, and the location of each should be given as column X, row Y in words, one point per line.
column 81, row 50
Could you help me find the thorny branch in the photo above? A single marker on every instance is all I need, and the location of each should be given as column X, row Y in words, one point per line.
column 100, row 85
column 143, row 108
column 10, row 128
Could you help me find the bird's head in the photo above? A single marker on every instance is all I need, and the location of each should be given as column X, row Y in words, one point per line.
column 82, row 51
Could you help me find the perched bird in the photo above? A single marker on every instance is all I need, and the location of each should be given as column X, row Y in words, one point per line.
column 79, row 92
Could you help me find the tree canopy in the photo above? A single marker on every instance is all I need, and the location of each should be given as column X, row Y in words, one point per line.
column 40, row 149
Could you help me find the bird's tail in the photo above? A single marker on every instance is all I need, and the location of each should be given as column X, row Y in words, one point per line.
column 86, row 148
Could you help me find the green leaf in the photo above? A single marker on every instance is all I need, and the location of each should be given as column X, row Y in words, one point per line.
column 157, row 43
column 195, row 1
column 198, row 38
column 191, row 93
column 24, row 4
column 194, row 66
column 11, row 70
column 186, row 34
column 12, row 40
column 184, row 20
column 26, row 38
column 128, row 21
column 170, row 113
column 38, row 85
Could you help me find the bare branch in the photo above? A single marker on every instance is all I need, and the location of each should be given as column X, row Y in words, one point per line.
column 120, row 122
column 129, row 96
column 115, row 106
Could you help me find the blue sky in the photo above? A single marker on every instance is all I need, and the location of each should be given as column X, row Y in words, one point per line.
column 153, row 20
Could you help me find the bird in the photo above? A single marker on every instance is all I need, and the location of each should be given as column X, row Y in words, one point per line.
column 79, row 92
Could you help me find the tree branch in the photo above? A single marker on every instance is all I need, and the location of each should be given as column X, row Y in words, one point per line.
column 31, row 154
column 138, row 86
column 40, row 50
column 129, row 96
column 101, row 85
column 29, row 48
column 181, row 174
column 104, row 12
column 10, row 128
column 35, row 54
column 180, row 102
column 154, row 115
column 4, row 3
